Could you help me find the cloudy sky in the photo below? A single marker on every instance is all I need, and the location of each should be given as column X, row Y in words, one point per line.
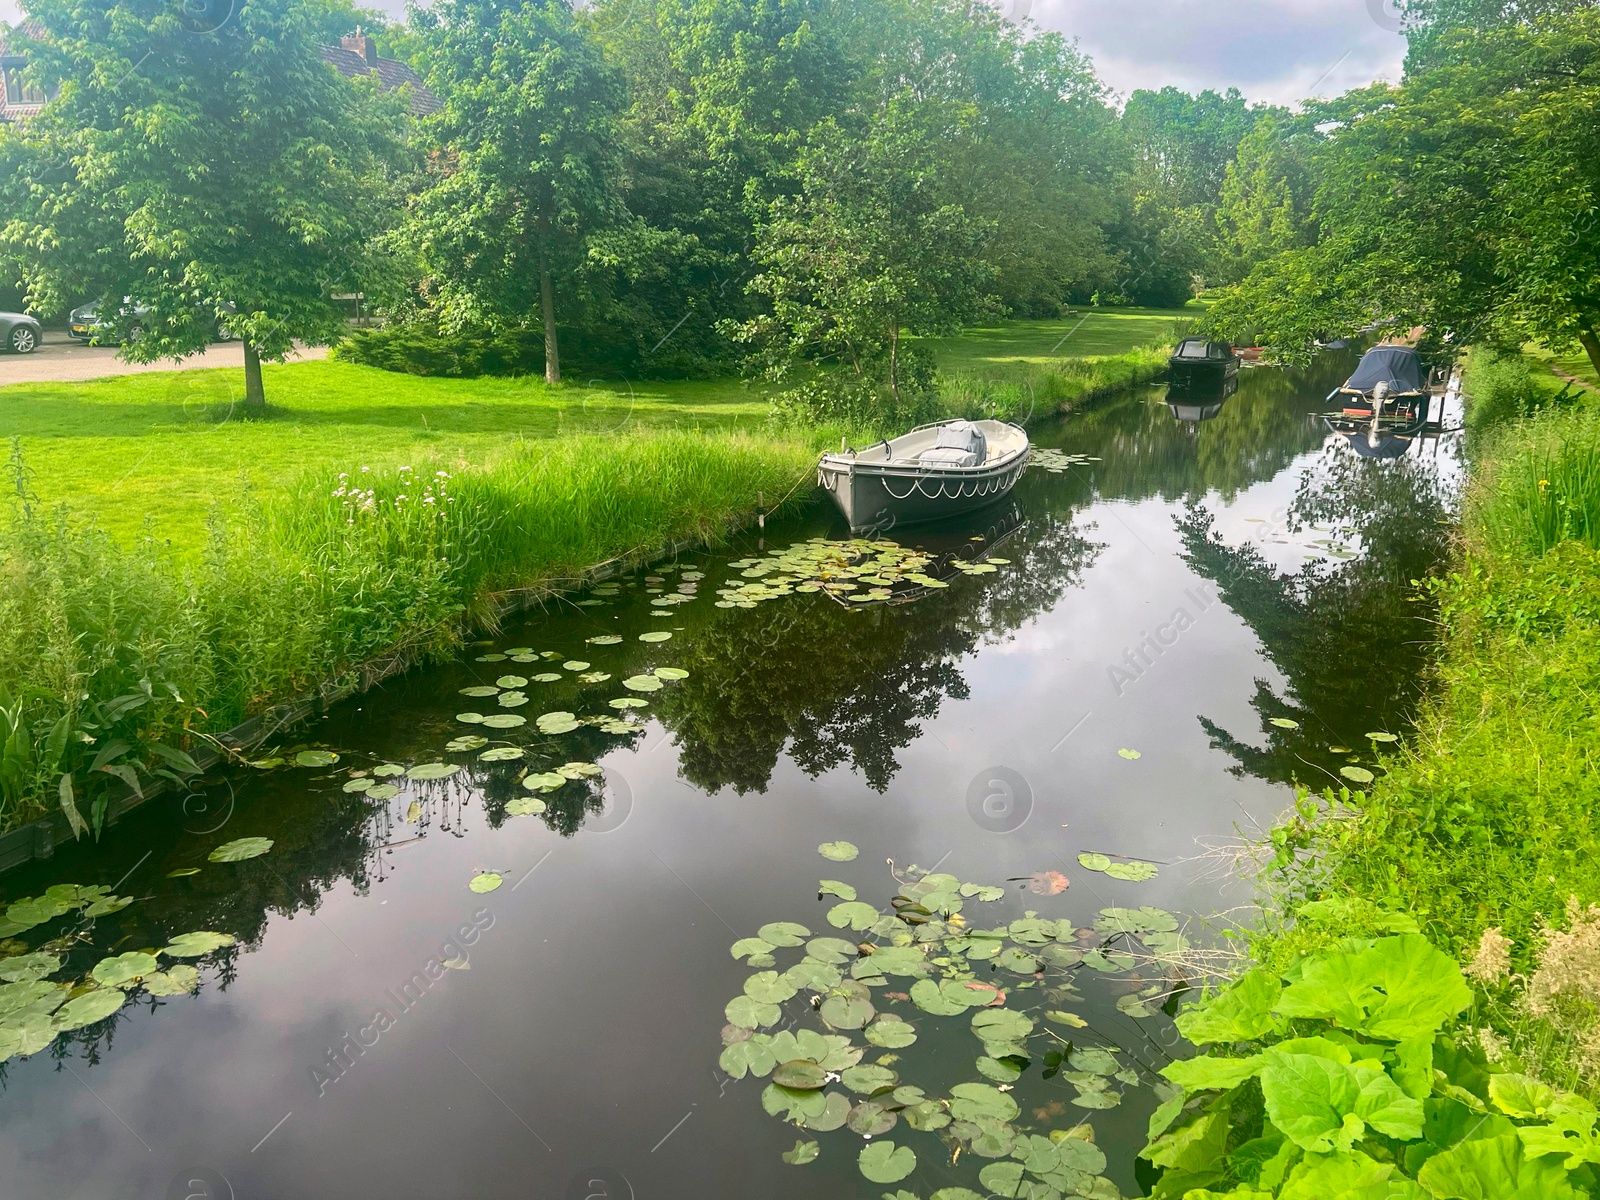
column 1274, row 50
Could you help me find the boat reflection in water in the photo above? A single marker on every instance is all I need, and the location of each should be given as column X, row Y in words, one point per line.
column 1192, row 405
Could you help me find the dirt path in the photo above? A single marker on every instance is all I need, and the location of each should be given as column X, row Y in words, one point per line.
column 60, row 360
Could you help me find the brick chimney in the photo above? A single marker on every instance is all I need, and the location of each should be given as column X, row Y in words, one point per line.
column 360, row 43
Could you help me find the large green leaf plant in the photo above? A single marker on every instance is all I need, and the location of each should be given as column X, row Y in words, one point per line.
column 1341, row 1077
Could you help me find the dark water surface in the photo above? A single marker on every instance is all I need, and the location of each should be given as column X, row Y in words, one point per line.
column 1168, row 599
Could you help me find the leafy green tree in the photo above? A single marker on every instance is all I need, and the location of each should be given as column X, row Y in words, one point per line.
column 875, row 246
column 191, row 173
column 1466, row 200
column 526, row 163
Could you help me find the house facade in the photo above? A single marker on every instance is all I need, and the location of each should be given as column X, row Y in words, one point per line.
column 18, row 101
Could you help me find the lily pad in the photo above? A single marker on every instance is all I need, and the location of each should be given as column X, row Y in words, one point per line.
column 802, row 1153
column 1382, row 737
column 868, row 1078
column 315, row 758
column 388, row 770
column 548, row 677
column 470, row 718
column 642, row 683
column 124, row 969
column 512, row 699
column 655, row 635
column 485, row 881
column 671, row 674
column 1356, row 774
column 752, row 1014
column 436, row 770
column 625, row 702
column 1132, row 870
column 884, row 1162
column 832, row 887
column 502, row 754
column 838, row 851
column 545, row 781
column 890, row 1032
column 481, row 693
column 508, row 681
column 464, row 745
column 241, row 849
column 783, row 933
column 24, row 968
column 1130, row 755
column 88, row 1009
column 384, row 791
column 504, row 721
column 177, row 980
column 1092, row 861
column 801, row 1074
column 605, row 639
column 1284, row 723
column 846, row 1012
column 197, row 944
column 183, row 872
column 526, row 806
column 852, row 913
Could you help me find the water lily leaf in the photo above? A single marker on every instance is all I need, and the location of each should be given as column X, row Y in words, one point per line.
column 463, row 745
column 800, row 1074
column 177, row 980
column 1133, row 871
column 813, row 976
column 802, row 1153
column 388, row 770
column 123, row 969
column 605, row 639
column 628, row 702
column 508, row 681
column 1018, row 961
column 470, row 718
column 784, row 933
column 108, row 905
column 832, row 887
column 749, row 1057
column 436, row 770
column 315, row 758
column 642, row 683
column 1356, row 774
column 575, row 665
column 868, row 1079
column 548, row 677
column 506, row 721
column 485, row 881
column 1096, row 1099
column 884, row 1162
column 671, row 674
column 491, row 658
column 512, row 699
column 1382, row 737
column 1284, row 723
column 1130, row 755
column 751, row 946
column 846, row 1012
column 183, row 872
column 972, row 1101
column 1061, row 1017
column 557, row 722
column 481, row 693
column 891, row 1033
column 835, row 1112
column 384, row 791
column 831, row 950
column 594, row 677
column 853, row 913
column 933, row 998
column 526, row 806
column 1001, row 1025
column 1092, row 861
column 793, row 1103
column 1002, row 1178
column 89, row 1008
column 241, row 849
column 752, row 1014
column 197, row 944
column 999, row 1070
column 24, row 968
column 769, row 987
column 838, row 851
column 655, row 635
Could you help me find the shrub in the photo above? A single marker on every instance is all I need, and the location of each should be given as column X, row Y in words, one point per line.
column 423, row 350
column 1505, row 388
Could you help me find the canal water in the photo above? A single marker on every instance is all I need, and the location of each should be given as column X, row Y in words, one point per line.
column 1182, row 616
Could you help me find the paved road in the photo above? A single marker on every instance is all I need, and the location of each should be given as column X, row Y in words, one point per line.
column 60, row 359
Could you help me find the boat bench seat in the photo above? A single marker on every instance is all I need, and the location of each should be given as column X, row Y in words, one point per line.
column 960, row 444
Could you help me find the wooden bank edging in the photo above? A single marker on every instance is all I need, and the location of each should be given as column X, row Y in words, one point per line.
column 40, row 838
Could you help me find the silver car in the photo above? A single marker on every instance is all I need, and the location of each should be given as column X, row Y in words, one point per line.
column 19, row 333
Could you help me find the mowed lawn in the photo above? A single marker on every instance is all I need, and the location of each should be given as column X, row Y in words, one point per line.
column 152, row 453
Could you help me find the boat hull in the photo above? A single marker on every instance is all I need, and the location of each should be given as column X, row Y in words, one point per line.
column 883, row 495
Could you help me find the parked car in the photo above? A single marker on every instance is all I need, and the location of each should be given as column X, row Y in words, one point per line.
column 19, row 333
column 84, row 323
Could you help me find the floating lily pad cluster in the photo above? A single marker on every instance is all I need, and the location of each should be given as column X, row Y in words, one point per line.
column 34, row 1008
column 1129, row 869
column 1056, row 461
column 856, row 1004
column 857, row 571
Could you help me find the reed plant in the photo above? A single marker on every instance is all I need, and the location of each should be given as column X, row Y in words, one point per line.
column 1541, row 485
column 130, row 656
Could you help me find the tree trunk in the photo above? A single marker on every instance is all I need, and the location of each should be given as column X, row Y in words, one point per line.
column 255, row 397
column 1591, row 343
column 894, row 363
column 547, row 304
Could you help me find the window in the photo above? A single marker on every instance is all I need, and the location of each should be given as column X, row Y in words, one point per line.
column 17, row 92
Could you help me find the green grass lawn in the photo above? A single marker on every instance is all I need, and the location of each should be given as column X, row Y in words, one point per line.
column 1092, row 333
column 152, row 452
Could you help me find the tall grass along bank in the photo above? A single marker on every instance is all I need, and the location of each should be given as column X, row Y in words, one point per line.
column 1422, row 1019
column 119, row 660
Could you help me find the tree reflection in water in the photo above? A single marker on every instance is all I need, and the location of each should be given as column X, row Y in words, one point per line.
column 1351, row 637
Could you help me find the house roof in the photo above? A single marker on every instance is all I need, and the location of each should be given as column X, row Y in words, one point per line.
column 28, row 29
column 391, row 74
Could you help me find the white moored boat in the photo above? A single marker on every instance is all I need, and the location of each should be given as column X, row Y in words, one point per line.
column 935, row 471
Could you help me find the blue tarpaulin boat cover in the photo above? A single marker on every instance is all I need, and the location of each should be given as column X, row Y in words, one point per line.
column 1398, row 366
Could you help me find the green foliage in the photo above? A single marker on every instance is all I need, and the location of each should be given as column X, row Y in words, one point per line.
column 466, row 354
column 1505, row 387
column 1542, row 485
column 1346, row 1080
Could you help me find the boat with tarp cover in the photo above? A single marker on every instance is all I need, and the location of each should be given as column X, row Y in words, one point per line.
column 932, row 473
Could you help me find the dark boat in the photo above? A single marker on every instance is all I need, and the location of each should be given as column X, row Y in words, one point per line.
column 932, row 473
column 1386, row 403
column 1190, row 409
column 1199, row 365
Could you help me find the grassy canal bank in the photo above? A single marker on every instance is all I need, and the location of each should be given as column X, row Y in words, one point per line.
column 1421, row 1016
